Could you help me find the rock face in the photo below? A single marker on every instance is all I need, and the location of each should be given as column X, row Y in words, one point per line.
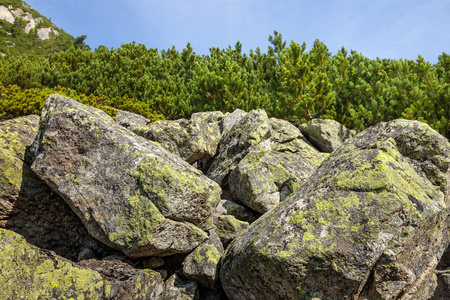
column 127, row 282
column 130, row 193
column 28, row 206
column 263, row 160
column 326, row 135
column 202, row 265
column 131, row 120
column 370, row 223
column 252, row 130
column 6, row 15
column 192, row 139
column 40, row 274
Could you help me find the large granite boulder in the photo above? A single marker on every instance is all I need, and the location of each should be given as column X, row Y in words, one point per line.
column 192, row 139
column 253, row 129
column 264, row 177
column 370, row 223
column 28, row 206
column 231, row 119
column 326, row 135
column 130, row 193
column 34, row 273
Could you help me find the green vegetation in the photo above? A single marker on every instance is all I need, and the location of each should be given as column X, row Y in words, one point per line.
column 287, row 81
column 16, row 39
column 15, row 101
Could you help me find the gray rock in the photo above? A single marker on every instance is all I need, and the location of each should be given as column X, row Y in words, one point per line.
column 370, row 223
column 41, row 274
column 232, row 119
column 238, row 211
column 28, row 206
column 125, row 281
column 228, row 228
column 131, row 120
column 326, row 135
column 264, row 178
column 193, row 140
column 202, row 265
column 176, row 288
column 252, row 130
column 130, row 193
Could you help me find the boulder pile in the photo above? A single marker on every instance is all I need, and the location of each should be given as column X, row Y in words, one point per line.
column 220, row 206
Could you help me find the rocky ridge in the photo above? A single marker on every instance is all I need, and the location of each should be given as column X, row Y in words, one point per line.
column 220, row 206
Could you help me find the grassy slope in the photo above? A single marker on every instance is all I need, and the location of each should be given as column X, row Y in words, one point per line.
column 14, row 33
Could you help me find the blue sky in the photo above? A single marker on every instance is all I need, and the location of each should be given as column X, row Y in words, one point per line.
column 379, row 28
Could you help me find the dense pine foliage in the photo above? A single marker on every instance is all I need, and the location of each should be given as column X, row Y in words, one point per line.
column 286, row 80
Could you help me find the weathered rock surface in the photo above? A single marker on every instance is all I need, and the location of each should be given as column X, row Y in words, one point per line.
column 326, row 135
column 370, row 223
column 125, row 281
column 131, row 120
column 130, row 193
column 202, row 265
column 28, row 270
column 251, row 130
column 177, row 288
column 28, row 206
column 265, row 177
column 231, row 119
column 238, row 211
column 34, row 273
column 41, row 274
column 228, row 228
column 192, row 139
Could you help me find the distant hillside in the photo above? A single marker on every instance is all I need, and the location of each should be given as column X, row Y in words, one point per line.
column 22, row 29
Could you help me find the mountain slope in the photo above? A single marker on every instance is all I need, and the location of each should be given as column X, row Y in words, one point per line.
column 22, row 29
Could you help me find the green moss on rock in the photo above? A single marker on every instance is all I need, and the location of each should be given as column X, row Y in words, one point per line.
column 30, row 272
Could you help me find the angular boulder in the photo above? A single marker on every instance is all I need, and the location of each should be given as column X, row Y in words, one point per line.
column 28, row 206
column 126, row 282
column 263, row 177
column 231, row 119
column 130, row 193
column 41, row 274
column 370, row 223
column 192, row 139
column 228, row 228
column 251, row 130
column 327, row 135
column 202, row 264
